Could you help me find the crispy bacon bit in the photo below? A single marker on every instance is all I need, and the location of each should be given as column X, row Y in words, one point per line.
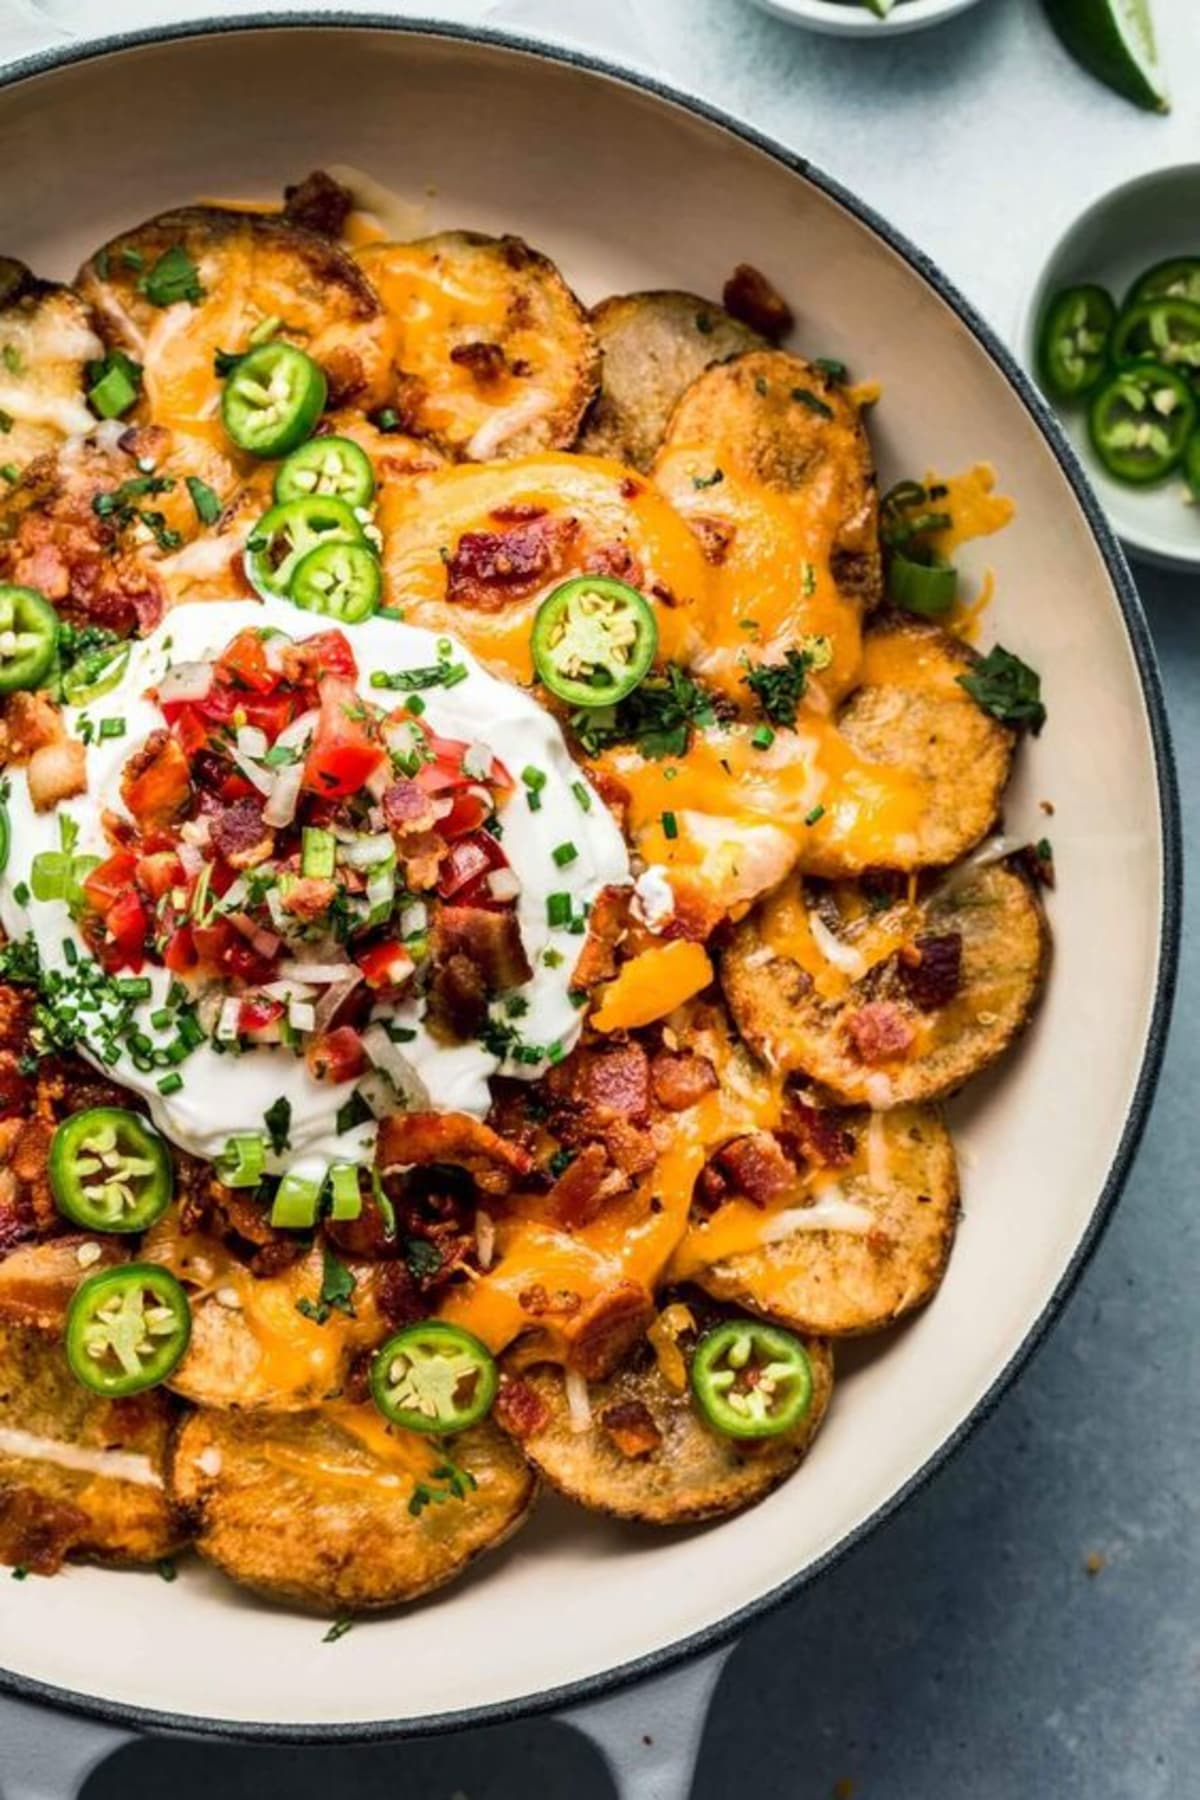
column 934, row 977
column 716, row 537
column 819, row 1135
column 457, row 999
column 607, row 924
column 490, row 568
column 310, row 896
column 631, row 487
column 757, row 1168
column 399, row 1298
column 681, row 1081
column 57, row 772
column 632, row 1429
column 491, row 940
column 37, row 1532
column 407, row 807
column 31, row 722
column 238, row 834
column 607, row 1329
column 750, row 297
column 318, row 203
column 421, row 1138
column 156, row 782
column 879, row 1031
column 487, row 362
column 618, row 561
column 584, row 1186
column 616, row 1084
column 520, row 1409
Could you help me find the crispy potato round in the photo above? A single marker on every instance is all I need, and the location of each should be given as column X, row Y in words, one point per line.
column 910, row 713
column 47, row 338
column 79, row 1476
column 692, row 1473
column 235, row 272
column 947, row 984
column 493, row 354
column 848, row 1281
column 307, row 1509
column 654, row 345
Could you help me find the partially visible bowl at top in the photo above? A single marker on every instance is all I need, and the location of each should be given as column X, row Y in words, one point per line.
column 1122, row 234
column 854, row 18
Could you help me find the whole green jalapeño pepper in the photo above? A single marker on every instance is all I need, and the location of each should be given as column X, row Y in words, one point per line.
column 110, row 1170
column 127, row 1329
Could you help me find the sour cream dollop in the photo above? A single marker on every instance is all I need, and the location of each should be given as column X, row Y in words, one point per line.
column 225, row 1094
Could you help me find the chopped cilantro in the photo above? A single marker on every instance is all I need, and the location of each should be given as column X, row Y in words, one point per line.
column 1007, row 688
column 278, row 1121
column 205, row 501
column 174, row 277
column 779, row 687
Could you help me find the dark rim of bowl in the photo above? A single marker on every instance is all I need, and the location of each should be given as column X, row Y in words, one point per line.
column 712, row 1637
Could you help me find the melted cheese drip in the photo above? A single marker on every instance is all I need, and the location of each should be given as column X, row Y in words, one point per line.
column 629, row 1241
column 786, row 928
column 423, row 519
column 774, row 572
column 976, row 509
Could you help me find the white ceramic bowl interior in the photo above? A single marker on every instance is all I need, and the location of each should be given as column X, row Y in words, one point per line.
column 1119, row 236
column 851, row 18
column 628, row 190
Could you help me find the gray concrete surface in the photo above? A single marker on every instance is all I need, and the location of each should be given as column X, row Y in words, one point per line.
column 1030, row 1625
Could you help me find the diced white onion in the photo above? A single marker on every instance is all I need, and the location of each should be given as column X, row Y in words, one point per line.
column 262, row 779
column 192, row 860
column 842, row 956
column 289, row 990
column 379, row 780
column 879, row 1090
column 284, row 796
column 186, row 682
column 485, row 1238
column 992, row 850
column 477, row 762
column 579, row 1407
column 297, row 734
column 319, row 974
column 252, row 741
column 364, row 852
column 391, row 1060
column 503, row 884
column 414, row 919
column 333, row 998
column 302, row 1015
column 378, row 1093
column 227, row 1021
column 264, row 941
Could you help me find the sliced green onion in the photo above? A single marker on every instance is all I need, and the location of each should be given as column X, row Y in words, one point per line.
column 670, row 825
column 318, row 852
column 346, row 1196
column 558, row 909
column 243, row 1162
column 564, row 854
column 297, row 1201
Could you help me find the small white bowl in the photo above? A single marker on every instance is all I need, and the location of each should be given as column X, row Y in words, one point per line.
column 1122, row 233
column 849, row 18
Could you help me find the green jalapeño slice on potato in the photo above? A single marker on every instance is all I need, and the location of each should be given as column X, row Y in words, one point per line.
column 327, row 465
column 434, row 1377
column 285, row 534
column 752, row 1380
column 341, row 580
column 273, row 398
column 110, row 1170
column 127, row 1329
column 594, row 639
column 28, row 638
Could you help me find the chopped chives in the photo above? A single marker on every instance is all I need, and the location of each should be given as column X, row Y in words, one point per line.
column 817, row 813
column 564, row 854
column 534, row 778
column 112, row 728
column 558, row 909
column 171, row 1084
column 763, row 737
column 161, row 1018
column 134, row 987
column 581, row 794
column 670, row 825
column 70, row 951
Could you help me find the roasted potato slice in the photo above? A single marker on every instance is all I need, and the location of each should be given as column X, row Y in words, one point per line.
column 47, row 338
column 79, row 1476
column 493, row 354
column 911, row 714
column 890, row 1006
column 235, row 272
column 767, row 459
column 687, row 1472
column 891, row 1212
column 654, row 345
column 332, row 1511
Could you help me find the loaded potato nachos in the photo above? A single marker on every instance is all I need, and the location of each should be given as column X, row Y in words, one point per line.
column 501, row 867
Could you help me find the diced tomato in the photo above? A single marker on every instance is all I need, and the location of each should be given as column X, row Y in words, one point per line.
column 327, row 653
column 158, row 873
column 224, row 951
column 385, row 965
column 245, row 661
column 127, row 923
column 258, row 1013
column 343, row 755
column 236, row 786
column 468, row 862
column 445, row 769
column 160, row 791
column 109, row 880
column 467, row 813
column 180, row 953
column 190, row 730
column 336, row 1055
column 270, row 712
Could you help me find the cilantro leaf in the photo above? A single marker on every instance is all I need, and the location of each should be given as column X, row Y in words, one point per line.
column 658, row 717
column 174, row 277
column 206, row 503
column 278, row 1121
column 779, row 687
column 1007, row 688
